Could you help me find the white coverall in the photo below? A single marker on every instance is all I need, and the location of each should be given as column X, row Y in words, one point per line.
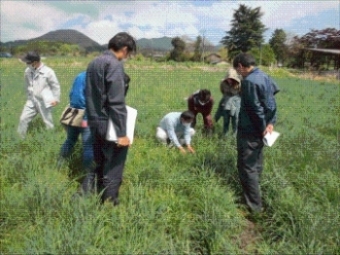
column 42, row 88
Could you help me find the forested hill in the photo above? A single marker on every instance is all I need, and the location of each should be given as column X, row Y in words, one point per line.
column 64, row 35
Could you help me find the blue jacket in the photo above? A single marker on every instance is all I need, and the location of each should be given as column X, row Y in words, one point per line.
column 77, row 93
column 258, row 105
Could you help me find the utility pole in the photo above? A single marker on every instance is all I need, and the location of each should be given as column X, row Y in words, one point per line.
column 260, row 54
column 203, row 46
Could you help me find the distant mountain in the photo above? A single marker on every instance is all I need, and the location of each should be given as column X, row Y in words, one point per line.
column 71, row 36
column 158, row 44
column 64, row 35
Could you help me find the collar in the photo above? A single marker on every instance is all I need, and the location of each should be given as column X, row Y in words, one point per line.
column 255, row 69
column 110, row 52
column 40, row 67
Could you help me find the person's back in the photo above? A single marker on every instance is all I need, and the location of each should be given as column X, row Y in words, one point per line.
column 105, row 98
column 100, row 77
column 171, row 119
column 77, row 93
column 256, row 84
column 77, row 101
column 175, row 127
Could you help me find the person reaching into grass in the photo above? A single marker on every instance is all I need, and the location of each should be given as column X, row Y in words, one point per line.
column 77, row 101
column 202, row 102
column 175, row 128
column 257, row 117
column 229, row 106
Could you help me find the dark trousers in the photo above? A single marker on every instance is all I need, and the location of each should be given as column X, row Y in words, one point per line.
column 226, row 120
column 221, row 112
column 250, row 165
column 207, row 119
column 71, row 140
column 110, row 160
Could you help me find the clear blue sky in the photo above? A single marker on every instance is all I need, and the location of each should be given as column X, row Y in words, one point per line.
column 100, row 20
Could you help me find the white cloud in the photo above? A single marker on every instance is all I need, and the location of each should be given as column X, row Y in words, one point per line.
column 100, row 31
column 27, row 19
column 278, row 14
column 24, row 20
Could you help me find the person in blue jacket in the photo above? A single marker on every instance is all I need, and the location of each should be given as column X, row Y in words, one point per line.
column 77, row 100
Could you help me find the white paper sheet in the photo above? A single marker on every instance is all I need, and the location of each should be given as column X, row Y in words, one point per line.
column 47, row 97
column 269, row 139
column 111, row 134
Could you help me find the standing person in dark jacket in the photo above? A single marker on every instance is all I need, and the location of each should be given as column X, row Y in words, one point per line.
column 105, row 98
column 202, row 102
column 77, row 100
column 257, row 117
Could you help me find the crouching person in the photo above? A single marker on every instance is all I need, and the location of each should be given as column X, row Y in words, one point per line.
column 175, row 127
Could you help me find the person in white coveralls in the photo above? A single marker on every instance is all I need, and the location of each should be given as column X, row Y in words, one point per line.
column 43, row 92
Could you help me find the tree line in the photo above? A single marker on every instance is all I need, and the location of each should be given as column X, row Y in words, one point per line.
column 48, row 48
column 246, row 35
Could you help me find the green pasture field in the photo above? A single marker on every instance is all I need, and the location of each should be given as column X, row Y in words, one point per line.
column 173, row 203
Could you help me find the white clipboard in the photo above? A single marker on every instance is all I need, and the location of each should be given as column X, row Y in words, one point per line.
column 269, row 139
column 47, row 97
column 131, row 117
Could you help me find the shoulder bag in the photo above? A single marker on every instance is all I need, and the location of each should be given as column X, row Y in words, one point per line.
column 72, row 116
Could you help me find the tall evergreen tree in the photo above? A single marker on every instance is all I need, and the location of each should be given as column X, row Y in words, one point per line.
column 277, row 42
column 246, row 30
column 198, row 49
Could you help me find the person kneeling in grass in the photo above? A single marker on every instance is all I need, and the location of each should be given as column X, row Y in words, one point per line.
column 175, row 128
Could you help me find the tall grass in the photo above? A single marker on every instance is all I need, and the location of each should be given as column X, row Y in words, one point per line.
column 172, row 203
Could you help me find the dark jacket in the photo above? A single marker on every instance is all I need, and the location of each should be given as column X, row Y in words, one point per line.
column 195, row 106
column 105, row 93
column 258, row 105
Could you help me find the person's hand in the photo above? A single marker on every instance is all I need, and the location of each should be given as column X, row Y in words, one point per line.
column 123, row 141
column 84, row 123
column 269, row 129
column 54, row 103
column 190, row 149
column 182, row 150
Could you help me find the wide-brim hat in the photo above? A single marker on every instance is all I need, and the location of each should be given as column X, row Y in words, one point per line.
column 232, row 74
column 30, row 57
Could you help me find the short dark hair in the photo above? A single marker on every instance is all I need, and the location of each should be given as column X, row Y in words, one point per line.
column 188, row 115
column 204, row 93
column 31, row 57
column 244, row 59
column 121, row 40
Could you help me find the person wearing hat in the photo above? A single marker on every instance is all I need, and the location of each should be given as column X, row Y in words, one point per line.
column 229, row 106
column 43, row 92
